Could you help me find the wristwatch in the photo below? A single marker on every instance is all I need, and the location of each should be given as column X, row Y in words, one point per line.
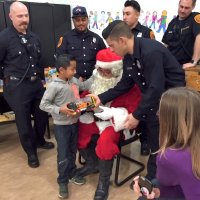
column 193, row 62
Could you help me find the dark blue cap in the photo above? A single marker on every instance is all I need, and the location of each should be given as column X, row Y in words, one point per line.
column 79, row 11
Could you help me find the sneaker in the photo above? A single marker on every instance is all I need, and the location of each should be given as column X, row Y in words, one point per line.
column 78, row 180
column 63, row 191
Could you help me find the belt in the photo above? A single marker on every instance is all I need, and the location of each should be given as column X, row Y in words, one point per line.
column 32, row 78
column 14, row 78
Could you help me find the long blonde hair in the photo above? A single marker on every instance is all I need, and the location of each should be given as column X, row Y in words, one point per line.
column 179, row 116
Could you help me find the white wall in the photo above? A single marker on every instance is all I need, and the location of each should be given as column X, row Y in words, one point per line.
column 115, row 6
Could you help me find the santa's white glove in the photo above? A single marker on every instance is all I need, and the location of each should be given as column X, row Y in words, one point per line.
column 105, row 114
column 119, row 117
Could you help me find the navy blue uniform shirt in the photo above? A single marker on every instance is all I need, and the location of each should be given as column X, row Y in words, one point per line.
column 84, row 47
column 142, row 31
column 15, row 56
column 180, row 37
column 154, row 69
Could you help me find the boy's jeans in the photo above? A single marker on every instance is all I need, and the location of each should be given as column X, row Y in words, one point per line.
column 66, row 137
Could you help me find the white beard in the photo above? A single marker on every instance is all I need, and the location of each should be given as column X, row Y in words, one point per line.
column 102, row 84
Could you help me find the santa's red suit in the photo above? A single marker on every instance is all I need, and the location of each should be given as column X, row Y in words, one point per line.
column 107, row 144
column 107, row 74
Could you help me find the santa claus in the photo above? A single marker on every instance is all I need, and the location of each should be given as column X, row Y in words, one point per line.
column 99, row 133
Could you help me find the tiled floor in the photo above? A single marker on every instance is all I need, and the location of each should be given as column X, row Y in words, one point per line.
column 20, row 182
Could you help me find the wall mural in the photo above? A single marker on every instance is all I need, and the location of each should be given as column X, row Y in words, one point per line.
column 155, row 14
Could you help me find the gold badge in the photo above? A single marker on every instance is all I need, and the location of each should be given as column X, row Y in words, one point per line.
column 197, row 18
column 152, row 36
column 60, row 42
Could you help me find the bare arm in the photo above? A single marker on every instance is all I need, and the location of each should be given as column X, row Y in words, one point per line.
column 196, row 53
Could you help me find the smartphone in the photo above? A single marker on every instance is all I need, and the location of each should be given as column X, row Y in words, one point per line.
column 146, row 186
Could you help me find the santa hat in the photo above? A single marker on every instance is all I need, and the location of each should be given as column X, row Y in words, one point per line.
column 107, row 59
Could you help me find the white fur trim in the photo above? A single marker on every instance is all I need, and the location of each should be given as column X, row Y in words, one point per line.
column 86, row 118
column 119, row 116
column 109, row 65
column 128, row 134
column 103, row 125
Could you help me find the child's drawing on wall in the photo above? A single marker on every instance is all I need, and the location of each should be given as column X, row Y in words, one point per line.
column 162, row 22
column 102, row 20
column 90, row 19
column 117, row 16
column 109, row 19
column 153, row 20
column 95, row 20
column 146, row 19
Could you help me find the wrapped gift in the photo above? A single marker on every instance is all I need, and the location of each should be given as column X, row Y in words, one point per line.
column 192, row 76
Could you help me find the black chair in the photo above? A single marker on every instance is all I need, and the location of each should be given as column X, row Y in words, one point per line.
column 123, row 143
column 140, row 165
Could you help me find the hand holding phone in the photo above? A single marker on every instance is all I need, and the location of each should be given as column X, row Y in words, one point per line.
column 145, row 185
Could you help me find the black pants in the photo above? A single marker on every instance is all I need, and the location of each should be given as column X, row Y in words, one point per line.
column 24, row 99
column 152, row 125
column 143, row 130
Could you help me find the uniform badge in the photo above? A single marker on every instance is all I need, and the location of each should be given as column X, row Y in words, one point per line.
column 138, row 64
column 152, row 36
column 60, row 42
column 139, row 34
column 197, row 18
column 94, row 40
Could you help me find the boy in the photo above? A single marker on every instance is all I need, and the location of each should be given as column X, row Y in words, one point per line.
column 61, row 91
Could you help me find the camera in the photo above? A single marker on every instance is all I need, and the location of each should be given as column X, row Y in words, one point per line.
column 145, row 185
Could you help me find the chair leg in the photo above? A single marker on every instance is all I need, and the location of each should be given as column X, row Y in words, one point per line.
column 80, row 159
column 141, row 167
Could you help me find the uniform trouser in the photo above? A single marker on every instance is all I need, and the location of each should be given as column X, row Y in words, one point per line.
column 143, row 129
column 152, row 124
column 24, row 100
column 66, row 138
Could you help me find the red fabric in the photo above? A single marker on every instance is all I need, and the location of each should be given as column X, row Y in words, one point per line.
column 107, row 144
column 84, row 93
column 129, row 100
column 107, row 56
column 85, row 133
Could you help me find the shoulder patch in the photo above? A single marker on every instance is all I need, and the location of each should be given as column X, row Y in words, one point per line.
column 197, row 18
column 152, row 36
column 60, row 42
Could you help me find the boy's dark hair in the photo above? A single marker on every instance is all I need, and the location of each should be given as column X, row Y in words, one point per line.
column 117, row 29
column 63, row 60
column 134, row 4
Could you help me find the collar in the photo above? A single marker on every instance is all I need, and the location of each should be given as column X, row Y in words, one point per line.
column 136, row 48
column 14, row 32
column 57, row 79
column 138, row 27
column 177, row 18
column 75, row 32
